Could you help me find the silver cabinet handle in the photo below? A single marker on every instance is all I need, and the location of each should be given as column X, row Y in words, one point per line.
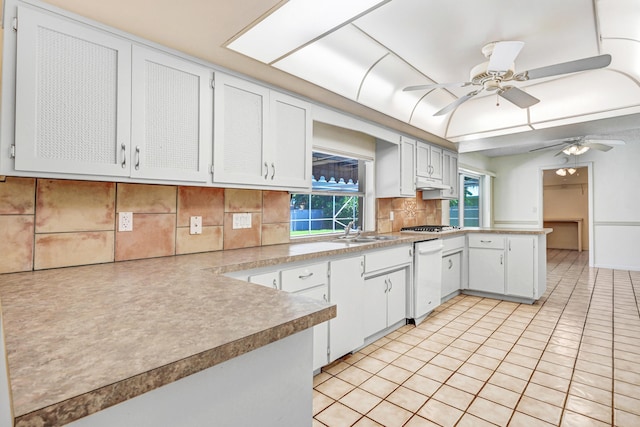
column 361, row 268
column 275, row 284
column 124, row 155
column 137, row 157
column 450, row 264
column 273, row 166
column 485, row 241
column 390, row 285
column 410, row 252
column 509, row 245
column 501, row 256
column 305, row 276
column 266, row 170
column 324, row 297
column 386, row 288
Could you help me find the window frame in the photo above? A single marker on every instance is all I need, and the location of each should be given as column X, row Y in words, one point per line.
column 361, row 197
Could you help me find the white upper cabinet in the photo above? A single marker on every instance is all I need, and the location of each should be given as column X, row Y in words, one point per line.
column 91, row 103
column 396, row 168
column 428, row 161
column 73, row 97
column 262, row 138
column 449, row 178
column 171, row 129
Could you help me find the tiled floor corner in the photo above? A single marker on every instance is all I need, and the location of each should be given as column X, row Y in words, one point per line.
column 571, row 359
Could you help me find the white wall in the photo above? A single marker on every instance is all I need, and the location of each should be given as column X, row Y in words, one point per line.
column 616, row 199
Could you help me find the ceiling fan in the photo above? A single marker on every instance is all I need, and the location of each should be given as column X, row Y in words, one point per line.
column 491, row 75
column 580, row 145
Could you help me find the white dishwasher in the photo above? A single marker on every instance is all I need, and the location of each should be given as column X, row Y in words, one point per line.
column 427, row 277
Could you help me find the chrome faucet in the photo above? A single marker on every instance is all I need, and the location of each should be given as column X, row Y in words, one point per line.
column 348, row 228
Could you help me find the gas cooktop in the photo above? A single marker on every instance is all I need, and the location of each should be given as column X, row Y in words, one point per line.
column 431, row 228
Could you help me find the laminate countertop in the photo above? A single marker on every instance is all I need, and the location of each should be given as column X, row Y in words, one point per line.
column 81, row 339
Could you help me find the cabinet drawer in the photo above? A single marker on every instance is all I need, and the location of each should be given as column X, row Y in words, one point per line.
column 386, row 258
column 491, row 241
column 453, row 243
column 300, row 278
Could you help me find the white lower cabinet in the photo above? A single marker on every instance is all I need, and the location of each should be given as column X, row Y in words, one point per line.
column 384, row 301
column 321, row 331
column 387, row 274
column 270, row 279
column 512, row 265
column 346, row 287
column 451, row 273
column 311, row 281
column 521, row 271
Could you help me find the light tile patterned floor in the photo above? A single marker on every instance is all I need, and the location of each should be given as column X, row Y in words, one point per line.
column 571, row 359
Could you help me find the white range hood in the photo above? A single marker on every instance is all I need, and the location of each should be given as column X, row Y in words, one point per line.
column 426, row 184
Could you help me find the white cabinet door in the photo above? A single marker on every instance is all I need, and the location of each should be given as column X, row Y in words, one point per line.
column 521, row 266
column 374, row 303
column 321, row 331
column 436, row 163
column 346, row 287
column 396, row 168
column 450, row 175
column 73, row 97
column 261, row 137
column 270, row 279
column 407, row 167
column 240, row 108
column 289, row 148
column 451, row 273
column 397, row 296
column 429, row 161
column 486, row 270
column 172, row 117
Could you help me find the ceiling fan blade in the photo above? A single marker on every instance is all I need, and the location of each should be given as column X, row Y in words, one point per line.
column 547, row 147
column 584, row 64
column 588, row 141
column 457, row 102
column 436, row 85
column 597, row 146
column 517, row 96
column 503, row 55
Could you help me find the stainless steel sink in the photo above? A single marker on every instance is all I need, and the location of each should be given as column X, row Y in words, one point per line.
column 364, row 239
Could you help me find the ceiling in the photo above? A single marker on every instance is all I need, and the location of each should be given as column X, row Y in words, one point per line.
column 357, row 56
column 369, row 53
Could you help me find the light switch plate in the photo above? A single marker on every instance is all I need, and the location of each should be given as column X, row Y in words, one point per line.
column 195, row 226
column 241, row 220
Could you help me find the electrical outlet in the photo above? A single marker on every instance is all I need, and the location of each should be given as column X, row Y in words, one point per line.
column 391, row 216
column 125, row 221
column 195, row 226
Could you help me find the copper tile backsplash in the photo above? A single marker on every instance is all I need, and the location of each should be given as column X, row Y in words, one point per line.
column 49, row 223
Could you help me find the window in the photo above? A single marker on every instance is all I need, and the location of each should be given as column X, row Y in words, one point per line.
column 336, row 199
column 467, row 209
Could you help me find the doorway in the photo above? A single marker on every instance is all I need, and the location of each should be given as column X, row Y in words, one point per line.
column 567, row 207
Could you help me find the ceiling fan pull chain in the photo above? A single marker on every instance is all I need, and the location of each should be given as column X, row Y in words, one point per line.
column 497, row 100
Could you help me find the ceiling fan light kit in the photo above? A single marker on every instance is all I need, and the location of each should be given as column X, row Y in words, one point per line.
column 500, row 68
column 564, row 171
column 575, row 150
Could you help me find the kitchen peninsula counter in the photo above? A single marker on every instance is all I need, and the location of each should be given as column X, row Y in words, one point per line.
column 81, row 339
